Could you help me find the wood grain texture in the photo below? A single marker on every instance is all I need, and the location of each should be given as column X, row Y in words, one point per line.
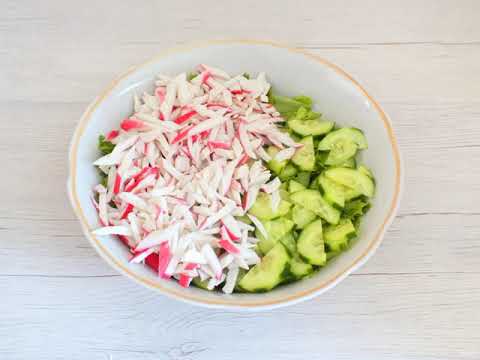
column 417, row 298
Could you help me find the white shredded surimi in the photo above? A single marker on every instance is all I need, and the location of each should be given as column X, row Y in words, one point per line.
column 230, row 280
column 285, row 154
column 182, row 171
column 212, row 260
column 143, row 255
column 136, row 201
column 259, row 225
column 275, row 200
column 113, row 230
column 272, row 185
column 156, row 238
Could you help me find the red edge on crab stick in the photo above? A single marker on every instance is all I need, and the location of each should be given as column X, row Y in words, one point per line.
column 131, row 124
column 185, row 117
column 112, row 135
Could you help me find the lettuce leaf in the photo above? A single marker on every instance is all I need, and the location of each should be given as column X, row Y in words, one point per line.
column 304, row 113
column 105, row 146
column 297, row 106
column 288, row 107
column 355, row 209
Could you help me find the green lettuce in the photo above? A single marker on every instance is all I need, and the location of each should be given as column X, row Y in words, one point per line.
column 297, row 106
column 105, row 146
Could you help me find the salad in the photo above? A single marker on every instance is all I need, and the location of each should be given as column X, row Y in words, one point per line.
column 216, row 181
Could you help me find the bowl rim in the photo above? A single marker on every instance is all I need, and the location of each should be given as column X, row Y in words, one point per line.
column 229, row 302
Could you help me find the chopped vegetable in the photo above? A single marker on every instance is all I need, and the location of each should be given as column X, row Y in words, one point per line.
column 105, row 146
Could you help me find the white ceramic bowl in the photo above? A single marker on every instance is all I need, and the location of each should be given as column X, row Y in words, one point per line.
column 291, row 72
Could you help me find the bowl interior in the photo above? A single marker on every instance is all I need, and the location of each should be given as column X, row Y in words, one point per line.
column 291, row 72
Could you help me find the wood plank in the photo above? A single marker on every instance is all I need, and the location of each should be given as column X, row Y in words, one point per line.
column 381, row 317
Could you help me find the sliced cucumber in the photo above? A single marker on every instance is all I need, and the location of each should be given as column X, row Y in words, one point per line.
column 303, row 177
column 332, row 254
column 353, row 179
column 302, row 217
column 333, row 192
column 269, row 272
column 284, row 194
column 351, row 194
column 310, row 244
column 244, row 218
column 276, row 229
column 288, row 172
column 289, row 242
column 336, row 237
column 312, row 127
column 350, row 163
column 315, row 185
column 313, row 200
column 199, row 283
column 344, row 134
column 262, row 207
column 299, row 268
column 341, row 151
column 363, row 169
column 304, row 157
column 294, row 186
column 274, row 165
column 241, row 274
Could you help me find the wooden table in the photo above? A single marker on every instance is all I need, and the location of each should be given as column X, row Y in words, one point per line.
column 417, row 298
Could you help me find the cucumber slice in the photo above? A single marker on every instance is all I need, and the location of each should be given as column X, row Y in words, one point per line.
column 289, row 242
column 288, row 172
column 303, row 177
column 276, row 229
column 199, row 283
column 294, row 186
column 344, row 134
column 244, row 218
column 333, row 192
column 262, row 207
column 241, row 273
column 299, row 268
column 353, row 179
column 310, row 244
column 351, row 194
column 304, row 157
column 269, row 272
column 341, row 151
column 363, row 169
column 313, row 201
column 315, row 185
column 332, row 254
column 312, row 127
column 284, row 194
column 350, row 163
column 336, row 237
column 302, row 217
column 274, row 165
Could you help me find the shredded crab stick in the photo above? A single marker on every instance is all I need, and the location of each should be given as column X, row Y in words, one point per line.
column 184, row 167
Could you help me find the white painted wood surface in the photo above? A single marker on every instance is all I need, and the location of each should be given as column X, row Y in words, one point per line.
column 417, row 298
